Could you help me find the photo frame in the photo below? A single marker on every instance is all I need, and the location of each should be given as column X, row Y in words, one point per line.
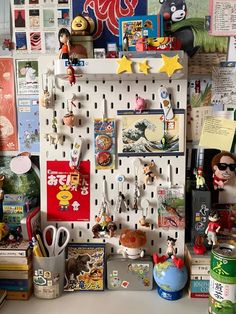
column 148, row 134
column 85, row 267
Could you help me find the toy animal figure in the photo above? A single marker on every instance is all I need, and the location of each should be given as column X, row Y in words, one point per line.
column 213, row 227
column 189, row 31
column 71, row 74
column 223, row 166
column 46, row 99
column 149, row 175
column 140, row 104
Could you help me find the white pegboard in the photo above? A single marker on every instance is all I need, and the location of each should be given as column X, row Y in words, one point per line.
column 119, row 95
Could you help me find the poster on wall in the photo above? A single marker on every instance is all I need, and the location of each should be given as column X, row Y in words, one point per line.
column 27, row 77
column 8, row 128
column 66, row 202
column 106, row 15
column 28, row 124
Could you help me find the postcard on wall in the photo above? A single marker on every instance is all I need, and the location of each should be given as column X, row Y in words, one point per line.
column 19, row 2
column 63, row 17
column 223, row 16
column 28, row 124
column 147, row 133
column 85, row 267
column 35, row 41
column 67, row 202
column 27, row 77
column 21, row 41
column 34, row 18
column 8, row 125
column 51, row 42
column 49, row 18
column 19, row 18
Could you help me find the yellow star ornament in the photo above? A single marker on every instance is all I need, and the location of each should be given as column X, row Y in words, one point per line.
column 171, row 65
column 124, row 65
column 143, row 67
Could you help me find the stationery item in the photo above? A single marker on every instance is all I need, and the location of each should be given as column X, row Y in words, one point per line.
column 41, row 245
column 54, row 248
column 121, row 203
column 36, row 248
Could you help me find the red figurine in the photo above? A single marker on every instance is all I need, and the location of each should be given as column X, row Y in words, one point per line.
column 213, row 227
column 223, row 166
column 71, row 74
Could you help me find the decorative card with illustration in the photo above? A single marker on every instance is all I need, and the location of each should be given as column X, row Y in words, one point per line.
column 28, row 124
column 85, row 267
column 171, row 207
column 8, row 124
column 66, row 202
column 27, row 77
column 149, row 134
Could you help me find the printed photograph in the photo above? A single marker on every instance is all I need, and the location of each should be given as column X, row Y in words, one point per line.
column 19, row 16
column 51, row 42
column 19, row 2
column 48, row 18
column 35, row 41
column 34, row 18
column 27, row 77
column 85, row 267
column 150, row 134
column 63, row 17
column 21, row 41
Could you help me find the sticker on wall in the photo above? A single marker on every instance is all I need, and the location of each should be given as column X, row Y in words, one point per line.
column 8, row 129
column 27, row 77
column 28, row 124
column 66, row 202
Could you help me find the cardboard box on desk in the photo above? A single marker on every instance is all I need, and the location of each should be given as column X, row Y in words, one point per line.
column 129, row 274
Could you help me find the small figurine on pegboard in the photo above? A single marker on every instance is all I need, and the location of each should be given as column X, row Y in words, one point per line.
column 149, row 174
column 223, row 166
column 140, row 104
column 213, row 227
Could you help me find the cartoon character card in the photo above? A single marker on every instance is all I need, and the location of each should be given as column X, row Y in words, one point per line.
column 67, row 202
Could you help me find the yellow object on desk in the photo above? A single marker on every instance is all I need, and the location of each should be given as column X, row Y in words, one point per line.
column 36, row 249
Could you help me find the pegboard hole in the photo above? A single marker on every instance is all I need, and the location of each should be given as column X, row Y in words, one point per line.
column 120, row 226
column 88, row 240
column 95, row 105
column 88, row 226
column 112, row 186
column 112, row 105
column 152, row 226
column 127, row 218
column 177, row 104
column 160, row 250
column 72, row 226
column 178, row 88
column 136, row 226
column 63, row 105
column 104, row 240
column 176, row 235
column 112, row 202
column 177, row 170
column 63, row 154
column 112, row 171
column 79, row 105
column 88, row 146
column 127, row 186
column 120, row 96
column 170, row 81
column 96, row 202
column 112, row 88
column 168, row 162
column 96, row 186
column 62, row 89
column 145, row 88
column 128, row 202
column 87, row 114
column 120, row 162
column 160, row 235
column 103, row 81
column 80, row 234
column 128, row 170
column 153, row 96
column 153, row 81
column 87, row 81
column 79, row 89
column 152, row 242
column 144, row 187
column 95, row 88
column 87, row 130
column 128, row 105
column 152, row 210
column 71, row 130
column 152, row 194
column 47, row 122
column 136, row 81
column 128, row 88
column 160, row 170
column 87, row 96
column 112, row 250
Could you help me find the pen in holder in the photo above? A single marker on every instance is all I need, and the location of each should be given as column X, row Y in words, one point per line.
column 48, row 276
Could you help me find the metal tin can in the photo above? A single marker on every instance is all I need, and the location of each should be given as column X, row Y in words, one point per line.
column 222, row 290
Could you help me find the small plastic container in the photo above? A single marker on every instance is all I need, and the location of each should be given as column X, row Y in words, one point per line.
column 48, row 277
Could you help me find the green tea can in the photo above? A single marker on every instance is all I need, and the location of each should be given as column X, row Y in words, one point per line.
column 222, row 288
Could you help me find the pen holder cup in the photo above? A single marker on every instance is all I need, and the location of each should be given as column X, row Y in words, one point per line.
column 48, row 276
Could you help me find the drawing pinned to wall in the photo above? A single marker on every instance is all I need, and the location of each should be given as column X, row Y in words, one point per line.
column 67, row 202
column 149, row 134
column 106, row 15
column 27, row 77
column 8, row 133
column 28, row 124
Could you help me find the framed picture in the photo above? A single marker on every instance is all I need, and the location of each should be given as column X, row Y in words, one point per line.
column 149, row 134
column 85, row 267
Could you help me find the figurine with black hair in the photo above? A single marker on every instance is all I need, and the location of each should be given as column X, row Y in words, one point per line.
column 190, row 33
column 213, row 227
column 64, row 40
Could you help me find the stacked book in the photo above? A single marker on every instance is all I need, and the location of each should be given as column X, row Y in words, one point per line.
column 16, row 269
column 199, row 272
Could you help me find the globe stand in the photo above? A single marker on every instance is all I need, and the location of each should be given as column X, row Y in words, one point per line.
column 168, row 295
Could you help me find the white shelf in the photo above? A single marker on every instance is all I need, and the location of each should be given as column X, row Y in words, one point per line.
column 112, row 302
column 105, row 69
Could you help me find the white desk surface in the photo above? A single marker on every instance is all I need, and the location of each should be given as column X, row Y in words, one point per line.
column 112, row 302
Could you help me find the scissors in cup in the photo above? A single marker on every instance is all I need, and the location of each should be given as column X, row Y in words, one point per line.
column 54, row 248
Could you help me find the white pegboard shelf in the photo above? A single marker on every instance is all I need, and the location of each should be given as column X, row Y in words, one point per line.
column 105, row 69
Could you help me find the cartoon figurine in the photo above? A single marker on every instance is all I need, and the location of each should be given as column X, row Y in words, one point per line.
column 64, row 196
column 46, row 99
column 213, row 227
column 149, row 175
column 170, row 253
column 140, row 104
column 82, row 25
column 199, row 247
column 189, row 31
column 223, row 166
column 71, row 74
column 132, row 242
column 200, row 180
column 64, row 40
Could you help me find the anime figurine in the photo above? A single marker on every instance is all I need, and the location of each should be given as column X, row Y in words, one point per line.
column 82, row 25
column 71, row 74
column 64, row 40
column 132, row 242
column 223, row 166
column 200, row 180
column 149, row 175
column 189, row 31
column 170, row 253
column 213, row 227
column 140, row 104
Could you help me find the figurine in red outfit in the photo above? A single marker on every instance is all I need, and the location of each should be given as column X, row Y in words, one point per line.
column 223, row 166
column 64, row 40
column 71, row 74
column 213, row 227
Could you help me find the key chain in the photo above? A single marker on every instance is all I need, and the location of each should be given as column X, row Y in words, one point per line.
column 75, row 155
column 69, row 117
column 136, row 188
column 166, row 103
column 121, row 201
column 145, row 208
column 46, row 98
